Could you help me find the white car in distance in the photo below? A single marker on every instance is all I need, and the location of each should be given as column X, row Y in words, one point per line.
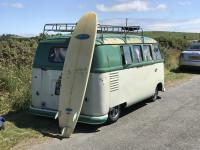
column 190, row 57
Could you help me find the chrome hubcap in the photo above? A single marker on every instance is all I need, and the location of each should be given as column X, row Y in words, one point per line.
column 114, row 112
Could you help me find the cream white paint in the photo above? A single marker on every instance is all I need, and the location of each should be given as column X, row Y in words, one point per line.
column 104, row 90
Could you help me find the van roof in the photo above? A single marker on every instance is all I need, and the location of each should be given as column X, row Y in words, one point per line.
column 107, row 39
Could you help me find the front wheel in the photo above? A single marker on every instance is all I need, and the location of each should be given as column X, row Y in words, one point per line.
column 155, row 95
column 114, row 114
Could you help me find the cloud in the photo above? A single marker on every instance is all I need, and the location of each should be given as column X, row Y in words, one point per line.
column 133, row 5
column 184, row 2
column 162, row 7
column 178, row 25
column 16, row 5
column 82, row 5
column 149, row 24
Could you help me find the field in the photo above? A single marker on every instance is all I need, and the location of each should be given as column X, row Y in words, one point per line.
column 16, row 56
column 176, row 35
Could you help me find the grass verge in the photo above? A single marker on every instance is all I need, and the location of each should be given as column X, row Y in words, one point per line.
column 22, row 127
column 172, row 77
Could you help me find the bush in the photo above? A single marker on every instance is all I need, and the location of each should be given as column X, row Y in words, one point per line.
column 171, row 57
column 16, row 57
column 173, row 43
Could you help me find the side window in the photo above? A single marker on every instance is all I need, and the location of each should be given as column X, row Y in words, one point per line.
column 57, row 54
column 137, row 50
column 147, row 52
column 126, row 55
column 156, row 52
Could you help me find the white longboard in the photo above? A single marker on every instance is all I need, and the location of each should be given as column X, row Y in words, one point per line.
column 76, row 72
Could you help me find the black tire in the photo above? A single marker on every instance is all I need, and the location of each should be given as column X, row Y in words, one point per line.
column 181, row 68
column 114, row 114
column 155, row 95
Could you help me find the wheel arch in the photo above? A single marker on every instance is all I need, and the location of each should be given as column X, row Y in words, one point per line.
column 160, row 86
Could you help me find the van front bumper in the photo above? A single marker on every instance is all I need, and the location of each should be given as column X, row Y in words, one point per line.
column 82, row 118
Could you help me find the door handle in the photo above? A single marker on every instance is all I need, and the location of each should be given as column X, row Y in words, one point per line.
column 156, row 70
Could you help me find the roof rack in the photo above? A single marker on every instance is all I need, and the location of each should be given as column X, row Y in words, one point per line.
column 59, row 27
column 69, row 27
column 119, row 30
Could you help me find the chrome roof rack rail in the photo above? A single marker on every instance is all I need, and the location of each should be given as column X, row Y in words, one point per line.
column 59, row 27
column 119, row 30
column 101, row 29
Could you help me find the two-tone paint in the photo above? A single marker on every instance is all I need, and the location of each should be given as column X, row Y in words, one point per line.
column 111, row 83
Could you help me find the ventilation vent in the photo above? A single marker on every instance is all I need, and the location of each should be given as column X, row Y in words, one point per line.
column 114, row 81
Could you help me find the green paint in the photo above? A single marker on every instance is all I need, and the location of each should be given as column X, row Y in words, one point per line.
column 42, row 54
column 106, row 57
column 92, row 119
column 82, row 118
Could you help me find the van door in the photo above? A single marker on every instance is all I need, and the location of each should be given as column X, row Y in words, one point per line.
column 149, row 71
column 49, row 99
column 158, row 66
column 45, row 88
column 132, row 77
column 139, row 75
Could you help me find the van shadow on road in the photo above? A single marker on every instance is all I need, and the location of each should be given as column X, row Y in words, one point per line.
column 136, row 106
column 50, row 128
column 46, row 126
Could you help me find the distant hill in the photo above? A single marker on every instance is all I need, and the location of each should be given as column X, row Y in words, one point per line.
column 22, row 36
column 180, row 35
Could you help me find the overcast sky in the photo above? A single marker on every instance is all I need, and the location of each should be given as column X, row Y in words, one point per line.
column 29, row 16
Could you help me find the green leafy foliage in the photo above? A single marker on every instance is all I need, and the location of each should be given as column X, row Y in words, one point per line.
column 16, row 55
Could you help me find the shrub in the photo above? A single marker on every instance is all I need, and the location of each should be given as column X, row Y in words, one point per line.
column 16, row 57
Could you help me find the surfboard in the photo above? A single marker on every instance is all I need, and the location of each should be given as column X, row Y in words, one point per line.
column 75, row 72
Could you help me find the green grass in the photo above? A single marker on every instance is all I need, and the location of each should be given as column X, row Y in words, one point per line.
column 21, row 126
column 15, row 89
column 13, row 135
column 171, row 76
column 179, row 35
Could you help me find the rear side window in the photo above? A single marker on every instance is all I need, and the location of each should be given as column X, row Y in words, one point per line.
column 57, row 54
column 156, row 52
column 126, row 55
column 137, row 50
column 195, row 47
column 147, row 53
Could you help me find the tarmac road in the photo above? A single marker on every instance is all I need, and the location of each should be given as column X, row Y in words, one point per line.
column 171, row 123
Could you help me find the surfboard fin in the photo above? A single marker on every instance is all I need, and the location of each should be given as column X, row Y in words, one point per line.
column 57, row 115
column 64, row 133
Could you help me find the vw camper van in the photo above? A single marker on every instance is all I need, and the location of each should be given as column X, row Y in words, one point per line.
column 127, row 68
